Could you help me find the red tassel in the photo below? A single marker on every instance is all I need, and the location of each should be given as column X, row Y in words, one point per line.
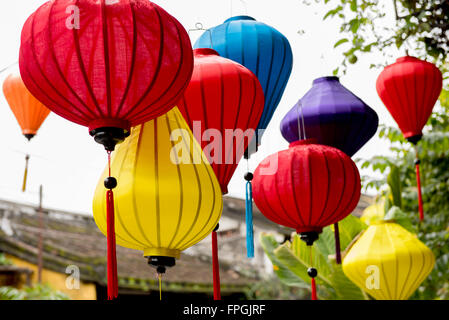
column 112, row 259
column 314, row 290
column 337, row 243
column 420, row 204
column 215, row 267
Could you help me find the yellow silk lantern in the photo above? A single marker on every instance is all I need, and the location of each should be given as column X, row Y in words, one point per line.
column 168, row 197
column 388, row 262
column 373, row 213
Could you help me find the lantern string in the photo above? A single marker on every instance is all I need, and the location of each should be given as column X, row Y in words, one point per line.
column 199, row 27
column 312, row 272
column 215, row 265
column 111, row 245
column 25, row 174
column 301, row 126
column 418, row 184
column 337, row 243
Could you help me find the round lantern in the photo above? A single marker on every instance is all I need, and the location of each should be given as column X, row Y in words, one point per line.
column 29, row 112
column 166, row 201
column 388, row 262
column 107, row 65
column 409, row 89
column 307, row 187
column 260, row 48
column 223, row 104
column 333, row 116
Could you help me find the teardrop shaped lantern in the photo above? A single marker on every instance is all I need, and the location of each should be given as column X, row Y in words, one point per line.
column 388, row 262
column 223, row 104
column 168, row 198
column 409, row 89
column 335, row 117
column 29, row 112
column 107, row 65
column 260, row 48
column 332, row 115
column 307, row 187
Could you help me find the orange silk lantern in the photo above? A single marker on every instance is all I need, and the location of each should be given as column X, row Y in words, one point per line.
column 29, row 112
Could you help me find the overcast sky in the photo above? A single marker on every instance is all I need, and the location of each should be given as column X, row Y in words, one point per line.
column 67, row 161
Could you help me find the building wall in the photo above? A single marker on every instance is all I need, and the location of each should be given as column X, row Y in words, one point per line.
column 57, row 281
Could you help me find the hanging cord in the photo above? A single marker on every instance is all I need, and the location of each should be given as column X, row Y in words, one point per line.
column 249, row 213
column 199, row 27
column 337, row 243
column 301, row 126
column 312, row 272
column 215, row 265
column 25, row 174
column 245, row 5
column 418, row 184
column 110, row 183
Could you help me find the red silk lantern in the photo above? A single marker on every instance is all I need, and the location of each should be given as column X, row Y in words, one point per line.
column 222, row 101
column 107, row 65
column 224, row 98
column 307, row 187
column 409, row 89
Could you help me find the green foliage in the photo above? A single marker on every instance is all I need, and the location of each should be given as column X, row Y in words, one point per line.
column 274, row 289
column 420, row 25
column 37, row 292
column 4, row 261
column 292, row 259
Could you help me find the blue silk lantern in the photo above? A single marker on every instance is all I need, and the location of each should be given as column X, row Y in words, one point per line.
column 260, row 48
column 334, row 116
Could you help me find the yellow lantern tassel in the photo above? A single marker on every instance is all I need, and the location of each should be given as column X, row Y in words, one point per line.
column 160, row 286
column 25, row 174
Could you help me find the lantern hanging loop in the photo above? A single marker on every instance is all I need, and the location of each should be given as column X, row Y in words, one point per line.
column 301, row 126
column 245, row 6
column 199, row 27
column 8, row 67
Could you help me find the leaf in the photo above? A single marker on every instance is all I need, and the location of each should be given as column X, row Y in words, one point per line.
column 269, row 244
column 354, row 5
column 345, row 288
column 341, row 41
column 398, row 216
column 349, row 228
column 394, row 182
column 298, row 263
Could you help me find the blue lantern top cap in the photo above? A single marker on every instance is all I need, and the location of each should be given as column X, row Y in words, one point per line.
column 325, row 79
column 240, row 18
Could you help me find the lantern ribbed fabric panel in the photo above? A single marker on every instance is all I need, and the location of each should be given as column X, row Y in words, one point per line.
column 165, row 202
column 260, row 48
column 306, row 187
column 388, row 262
column 333, row 115
column 409, row 89
column 121, row 64
column 222, row 101
column 29, row 112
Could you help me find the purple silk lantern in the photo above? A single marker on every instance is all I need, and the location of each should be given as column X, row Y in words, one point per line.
column 333, row 115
